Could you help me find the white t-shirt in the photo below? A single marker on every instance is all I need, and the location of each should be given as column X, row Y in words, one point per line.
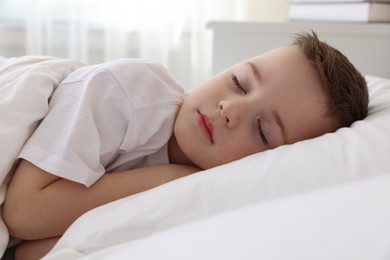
column 105, row 118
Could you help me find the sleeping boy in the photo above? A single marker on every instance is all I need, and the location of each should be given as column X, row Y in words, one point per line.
column 128, row 118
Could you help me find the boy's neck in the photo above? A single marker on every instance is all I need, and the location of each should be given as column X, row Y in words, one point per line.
column 175, row 154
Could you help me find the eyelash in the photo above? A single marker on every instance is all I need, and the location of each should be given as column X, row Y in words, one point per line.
column 236, row 83
column 261, row 133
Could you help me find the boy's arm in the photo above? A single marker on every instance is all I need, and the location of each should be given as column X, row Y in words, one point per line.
column 35, row 249
column 41, row 205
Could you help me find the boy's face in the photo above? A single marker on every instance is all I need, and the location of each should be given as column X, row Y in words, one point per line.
column 267, row 101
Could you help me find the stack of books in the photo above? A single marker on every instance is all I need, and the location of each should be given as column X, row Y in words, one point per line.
column 340, row 10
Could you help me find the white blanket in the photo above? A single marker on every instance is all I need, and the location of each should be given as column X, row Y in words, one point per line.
column 26, row 84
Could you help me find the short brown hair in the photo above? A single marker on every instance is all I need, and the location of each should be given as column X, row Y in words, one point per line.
column 345, row 85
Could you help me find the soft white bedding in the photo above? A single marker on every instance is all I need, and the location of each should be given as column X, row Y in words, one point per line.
column 345, row 222
column 196, row 211
column 26, row 84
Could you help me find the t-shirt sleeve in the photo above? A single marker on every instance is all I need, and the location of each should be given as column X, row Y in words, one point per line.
column 89, row 116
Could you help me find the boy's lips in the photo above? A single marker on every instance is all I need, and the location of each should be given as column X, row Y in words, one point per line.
column 205, row 125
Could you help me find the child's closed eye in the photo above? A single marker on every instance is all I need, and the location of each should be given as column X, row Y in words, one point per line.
column 261, row 132
column 237, row 84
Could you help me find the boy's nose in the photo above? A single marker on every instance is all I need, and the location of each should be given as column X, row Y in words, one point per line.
column 231, row 112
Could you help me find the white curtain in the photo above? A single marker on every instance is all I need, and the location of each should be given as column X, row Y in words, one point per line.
column 172, row 32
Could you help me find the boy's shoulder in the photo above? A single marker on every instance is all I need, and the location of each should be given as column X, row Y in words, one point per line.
column 136, row 77
column 133, row 65
column 118, row 68
column 130, row 69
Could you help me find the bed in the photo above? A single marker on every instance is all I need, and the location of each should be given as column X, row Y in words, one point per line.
column 324, row 198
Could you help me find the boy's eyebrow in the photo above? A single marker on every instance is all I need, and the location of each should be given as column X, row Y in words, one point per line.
column 255, row 71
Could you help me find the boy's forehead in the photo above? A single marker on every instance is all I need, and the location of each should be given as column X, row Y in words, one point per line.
column 285, row 52
column 287, row 68
column 287, row 62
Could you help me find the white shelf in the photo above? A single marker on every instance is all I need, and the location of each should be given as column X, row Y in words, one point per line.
column 366, row 45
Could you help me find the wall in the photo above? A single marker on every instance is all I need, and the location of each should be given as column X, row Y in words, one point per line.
column 268, row 10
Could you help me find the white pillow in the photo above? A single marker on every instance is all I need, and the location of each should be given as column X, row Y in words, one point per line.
column 26, row 84
column 345, row 222
column 349, row 154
